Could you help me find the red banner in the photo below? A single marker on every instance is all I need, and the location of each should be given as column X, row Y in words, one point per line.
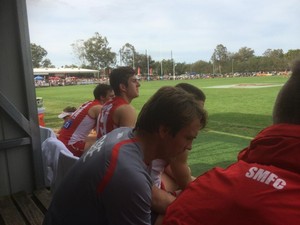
column 139, row 71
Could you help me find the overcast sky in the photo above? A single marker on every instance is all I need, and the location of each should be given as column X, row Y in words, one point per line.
column 190, row 29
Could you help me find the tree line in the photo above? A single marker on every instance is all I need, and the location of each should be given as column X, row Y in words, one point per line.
column 95, row 53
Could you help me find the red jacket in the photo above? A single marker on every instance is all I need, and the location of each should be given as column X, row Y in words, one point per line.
column 262, row 188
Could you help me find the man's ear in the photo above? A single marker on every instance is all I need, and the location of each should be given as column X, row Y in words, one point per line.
column 102, row 99
column 163, row 131
column 122, row 87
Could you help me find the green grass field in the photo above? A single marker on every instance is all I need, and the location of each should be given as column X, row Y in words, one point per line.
column 237, row 112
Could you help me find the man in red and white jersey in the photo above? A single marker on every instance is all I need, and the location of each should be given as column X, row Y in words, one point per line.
column 118, row 112
column 75, row 131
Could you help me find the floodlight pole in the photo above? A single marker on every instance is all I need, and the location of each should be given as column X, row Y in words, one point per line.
column 173, row 65
column 161, row 69
column 174, row 77
column 120, row 57
column 148, row 78
column 132, row 58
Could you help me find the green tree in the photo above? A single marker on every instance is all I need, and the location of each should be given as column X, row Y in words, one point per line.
column 181, row 68
column 37, row 55
column 128, row 54
column 142, row 61
column 241, row 60
column 167, row 66
column 79, row 52
column 201, row 67
column 274, row 59
column 243, row 55
column 291, row 56
column 46, row 63
column 256, row 63
column 70, row 66
column 219, row 57
column 95, row 52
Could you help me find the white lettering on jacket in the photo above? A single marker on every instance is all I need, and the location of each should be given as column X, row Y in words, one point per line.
column 266, row 177
column 96, row 147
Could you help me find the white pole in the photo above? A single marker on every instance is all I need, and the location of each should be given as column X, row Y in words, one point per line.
column 173, row 65
column 161, row 69
column 133, row 59
column 147, row 64
column 120, row 58
column 174, row 78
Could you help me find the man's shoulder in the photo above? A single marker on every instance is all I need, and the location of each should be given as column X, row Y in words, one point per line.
column 120, row 100
column 126, row 107
column 95, row 110
column 115, row 102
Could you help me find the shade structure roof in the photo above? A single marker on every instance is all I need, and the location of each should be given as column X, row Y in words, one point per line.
column 47, row 71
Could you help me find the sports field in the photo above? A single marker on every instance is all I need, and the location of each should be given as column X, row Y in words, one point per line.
column 238, row 109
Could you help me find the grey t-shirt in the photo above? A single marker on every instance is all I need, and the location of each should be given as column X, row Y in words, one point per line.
column 125, row 197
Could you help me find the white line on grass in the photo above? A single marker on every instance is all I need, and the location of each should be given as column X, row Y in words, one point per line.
column 246, row 85
column 230, row 134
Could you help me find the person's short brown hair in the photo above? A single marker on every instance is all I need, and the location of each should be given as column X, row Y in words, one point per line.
column 101, row 90
column 172, row 107
column 119, row 76
column 198, row 93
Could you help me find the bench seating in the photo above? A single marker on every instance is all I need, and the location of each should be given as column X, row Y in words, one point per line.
column 22, row 208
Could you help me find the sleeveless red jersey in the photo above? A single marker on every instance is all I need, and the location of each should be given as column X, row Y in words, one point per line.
column 105, row 122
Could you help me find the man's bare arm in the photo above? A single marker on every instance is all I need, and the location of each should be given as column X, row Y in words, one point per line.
column 180, row 171
column 161, row 200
